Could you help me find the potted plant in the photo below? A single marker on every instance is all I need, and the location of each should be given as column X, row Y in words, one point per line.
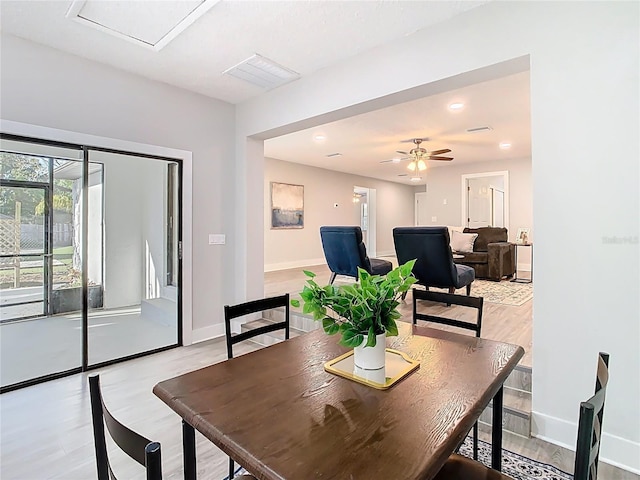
column 363, row 313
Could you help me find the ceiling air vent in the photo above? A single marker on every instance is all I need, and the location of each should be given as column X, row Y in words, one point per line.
column 478, row 129
column 262, row 72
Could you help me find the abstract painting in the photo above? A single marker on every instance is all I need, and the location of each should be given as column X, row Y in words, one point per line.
column 287, row 205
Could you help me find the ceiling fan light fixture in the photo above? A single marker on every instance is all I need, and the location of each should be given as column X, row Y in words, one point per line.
column 421, row 165
column 412, row 166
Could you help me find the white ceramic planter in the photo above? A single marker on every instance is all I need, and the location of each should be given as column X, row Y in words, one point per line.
column 370, row 358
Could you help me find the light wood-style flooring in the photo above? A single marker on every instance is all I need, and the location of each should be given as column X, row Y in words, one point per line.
column 45, row 430
column 505, row 323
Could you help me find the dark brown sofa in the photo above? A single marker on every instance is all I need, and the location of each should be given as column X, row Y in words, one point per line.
column 493, row 257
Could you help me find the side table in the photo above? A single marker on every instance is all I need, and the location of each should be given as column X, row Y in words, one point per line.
column 515, row 277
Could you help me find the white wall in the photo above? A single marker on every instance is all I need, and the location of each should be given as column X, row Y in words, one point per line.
column 42, row 86
column 445, row 183
column 322, row 188
column 584, row 60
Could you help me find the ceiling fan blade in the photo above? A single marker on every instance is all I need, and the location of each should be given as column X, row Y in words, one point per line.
column 441, row 158
column 440, row 152
column 386, row 161
column 402, row 152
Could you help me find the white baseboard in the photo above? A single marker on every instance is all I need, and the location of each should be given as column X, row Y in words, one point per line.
column 207, row 333
column 272, row 267
column 614, row 450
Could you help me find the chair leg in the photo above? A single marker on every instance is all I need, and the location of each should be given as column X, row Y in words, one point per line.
column 468, row 290
column 475, row 441
column 232, row 467
column 333, row 277
column 452, row 290
column 189, row 451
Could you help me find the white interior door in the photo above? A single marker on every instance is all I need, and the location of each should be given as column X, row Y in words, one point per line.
column 497, row 207
column 366, row 199
column 421, row 211
column 479, row 201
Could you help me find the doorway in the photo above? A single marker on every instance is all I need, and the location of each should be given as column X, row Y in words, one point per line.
column 485, row 200
column 364, row 200
column 90, row 270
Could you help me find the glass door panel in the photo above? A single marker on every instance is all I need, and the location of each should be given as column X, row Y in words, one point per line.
column 22, row 252
column 35, row 340
column 129, row 257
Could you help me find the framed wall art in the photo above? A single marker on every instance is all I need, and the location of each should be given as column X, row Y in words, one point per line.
column 287, row 205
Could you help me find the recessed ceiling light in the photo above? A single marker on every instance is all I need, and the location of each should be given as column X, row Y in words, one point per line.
column 319, row 137
column 505, row 145
column 456, row 106
column 416, row 179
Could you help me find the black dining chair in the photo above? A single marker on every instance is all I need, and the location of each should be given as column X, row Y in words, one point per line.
column 458, row 467
column 142, row 450
column 250, row 308
column 434, row 265
column 590, row 425
column 451, row 299
column 345, row 252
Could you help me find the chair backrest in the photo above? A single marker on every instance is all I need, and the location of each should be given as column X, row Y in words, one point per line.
column 142, row 450
column 449, row 299
column 430, row 247
column 344, row 250
column 255, row 306
column 590, row 425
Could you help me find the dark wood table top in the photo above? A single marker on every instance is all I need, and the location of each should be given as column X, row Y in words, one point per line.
column 280, row 415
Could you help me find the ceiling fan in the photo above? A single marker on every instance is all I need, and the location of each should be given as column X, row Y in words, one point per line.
column 418, row 155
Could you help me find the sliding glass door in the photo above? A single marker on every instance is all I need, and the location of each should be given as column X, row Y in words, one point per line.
column 37, row 221
column 139, row 308
column 89, row 258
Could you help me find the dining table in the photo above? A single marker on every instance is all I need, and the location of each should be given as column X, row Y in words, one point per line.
column 280, row 415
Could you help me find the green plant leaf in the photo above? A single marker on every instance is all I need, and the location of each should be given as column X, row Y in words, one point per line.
column 392, row 328
column 308, row 273
column 295, row 303
column 330, row 326
column 371, row 337
column 351, row 338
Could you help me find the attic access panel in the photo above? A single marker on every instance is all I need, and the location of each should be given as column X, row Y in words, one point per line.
column 152, row 24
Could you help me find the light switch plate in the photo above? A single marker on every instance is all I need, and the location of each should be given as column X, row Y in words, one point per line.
column 217, row 239
column 434, row 219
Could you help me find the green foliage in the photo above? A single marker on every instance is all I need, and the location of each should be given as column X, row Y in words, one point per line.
column 363, row 310
column 61, row 203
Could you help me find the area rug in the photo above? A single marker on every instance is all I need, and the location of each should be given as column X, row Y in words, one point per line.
column 504, row 292
column 513, row 464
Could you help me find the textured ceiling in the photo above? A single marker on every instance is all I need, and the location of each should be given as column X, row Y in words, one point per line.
column 304, row 36
column 366, row 140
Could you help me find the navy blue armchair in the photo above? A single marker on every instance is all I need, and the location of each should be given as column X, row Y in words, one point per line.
column 434, row 265
column 345, row 252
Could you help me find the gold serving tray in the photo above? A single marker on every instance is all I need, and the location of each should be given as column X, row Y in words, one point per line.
column 397, row 366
